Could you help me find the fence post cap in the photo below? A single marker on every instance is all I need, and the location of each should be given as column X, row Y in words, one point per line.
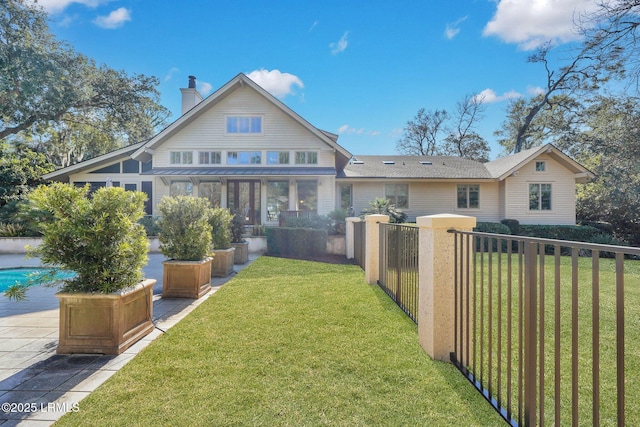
column 447, row 221
column 353, row 219
column 377, row 218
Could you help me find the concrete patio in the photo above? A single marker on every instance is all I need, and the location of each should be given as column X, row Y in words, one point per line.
column 37, row 386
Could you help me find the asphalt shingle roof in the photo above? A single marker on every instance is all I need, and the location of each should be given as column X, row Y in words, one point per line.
column 443, row 167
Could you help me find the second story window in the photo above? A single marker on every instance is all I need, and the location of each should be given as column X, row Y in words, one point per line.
column 541, row 166
column 209, row 158
column 244, row 157
column 306, row 158
column 181, row 157
column 277, row 157
column 244, row 124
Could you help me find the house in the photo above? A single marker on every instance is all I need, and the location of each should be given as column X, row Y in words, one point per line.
column 244, row 149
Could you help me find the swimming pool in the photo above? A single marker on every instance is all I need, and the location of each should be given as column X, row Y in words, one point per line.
column 22, row 275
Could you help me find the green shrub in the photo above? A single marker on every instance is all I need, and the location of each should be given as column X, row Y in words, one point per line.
column 513, row 224
column 384, row 206
column 578, row 233
column 220, row 222
column 338, row 219
column 318, row 222
column 185, row 232
column 287, row 241
column 237, row 228
column 150, row 225
column 494, row 228
column 99, row 238
column 8, row 229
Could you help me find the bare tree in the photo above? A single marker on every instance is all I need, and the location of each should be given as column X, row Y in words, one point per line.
column 462, row 140
column 420, row 137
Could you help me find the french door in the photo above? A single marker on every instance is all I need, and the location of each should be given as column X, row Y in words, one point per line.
column 244, row 196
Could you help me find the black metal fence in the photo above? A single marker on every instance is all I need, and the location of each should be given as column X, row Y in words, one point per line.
column 549, row 330
column 399, row 265
column 359, row 242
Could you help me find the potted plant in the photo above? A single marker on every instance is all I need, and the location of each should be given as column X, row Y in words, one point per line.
column 106, row 306
column 223, row 259
column 185, row 238
column 241, row 254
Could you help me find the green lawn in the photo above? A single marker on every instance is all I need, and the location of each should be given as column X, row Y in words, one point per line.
column 487, row 365
column 294, row 343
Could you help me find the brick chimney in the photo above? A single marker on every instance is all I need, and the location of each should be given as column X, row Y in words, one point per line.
column 190, row 95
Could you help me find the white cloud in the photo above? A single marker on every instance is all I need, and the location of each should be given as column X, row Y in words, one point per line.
column 489, row 96
column 346, row 129
column 535, row 90
column 115, row 19
column 275, row 82
column 340, row 45
column 314, row 25
column 55, row 6
column 204, row 88
column 530, row 23
column 453, row 28
column 172, row 72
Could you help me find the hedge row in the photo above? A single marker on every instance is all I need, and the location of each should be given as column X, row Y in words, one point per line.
column 578, row 233
column 287, row 241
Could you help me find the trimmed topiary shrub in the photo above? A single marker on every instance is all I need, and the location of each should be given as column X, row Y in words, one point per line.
column 287, row 241
column 220, row 222
column 98, row 237
column 185, row 232
column 494, row 228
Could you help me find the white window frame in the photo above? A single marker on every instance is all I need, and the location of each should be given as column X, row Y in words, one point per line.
column 279, row 155
column 541, row 163
column 240, row 155
column 468, row 198
column 306, row 157
column 539, row 196
column 242, row 128
column 209, row 157
column 180, row 157
column 395, row 196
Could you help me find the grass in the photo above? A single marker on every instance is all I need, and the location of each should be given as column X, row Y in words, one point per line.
column 288, row 343
column 487, row 365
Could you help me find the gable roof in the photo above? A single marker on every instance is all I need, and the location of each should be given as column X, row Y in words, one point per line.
column 241, row 80
column 505, row 166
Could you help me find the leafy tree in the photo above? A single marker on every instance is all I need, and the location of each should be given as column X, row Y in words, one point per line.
column 20, row 170
column 47, row 88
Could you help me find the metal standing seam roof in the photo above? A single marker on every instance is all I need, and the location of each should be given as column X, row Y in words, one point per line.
column 242, row 171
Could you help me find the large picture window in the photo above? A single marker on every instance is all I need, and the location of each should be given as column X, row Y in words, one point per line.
column 211, row 191
column 308, row 196
column 397, row 194
column 468, row 196
column 539, row 197
column 181, row 188
column 244, row 124
column 277, row 198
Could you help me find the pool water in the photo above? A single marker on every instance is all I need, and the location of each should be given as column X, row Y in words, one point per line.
column 22, row 275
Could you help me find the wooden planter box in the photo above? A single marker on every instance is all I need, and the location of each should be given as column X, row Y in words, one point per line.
column 223, row 260
column 241, row 255
column 186, row 279
column 105, row 323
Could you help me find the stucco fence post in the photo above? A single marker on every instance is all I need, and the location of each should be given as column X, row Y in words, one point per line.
column 349, row 236
column 436, row 281
column 372, row 250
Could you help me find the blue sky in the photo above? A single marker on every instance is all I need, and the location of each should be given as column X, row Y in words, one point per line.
column 360, row 69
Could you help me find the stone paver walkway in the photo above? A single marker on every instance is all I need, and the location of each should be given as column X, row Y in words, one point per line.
column 37, row 386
